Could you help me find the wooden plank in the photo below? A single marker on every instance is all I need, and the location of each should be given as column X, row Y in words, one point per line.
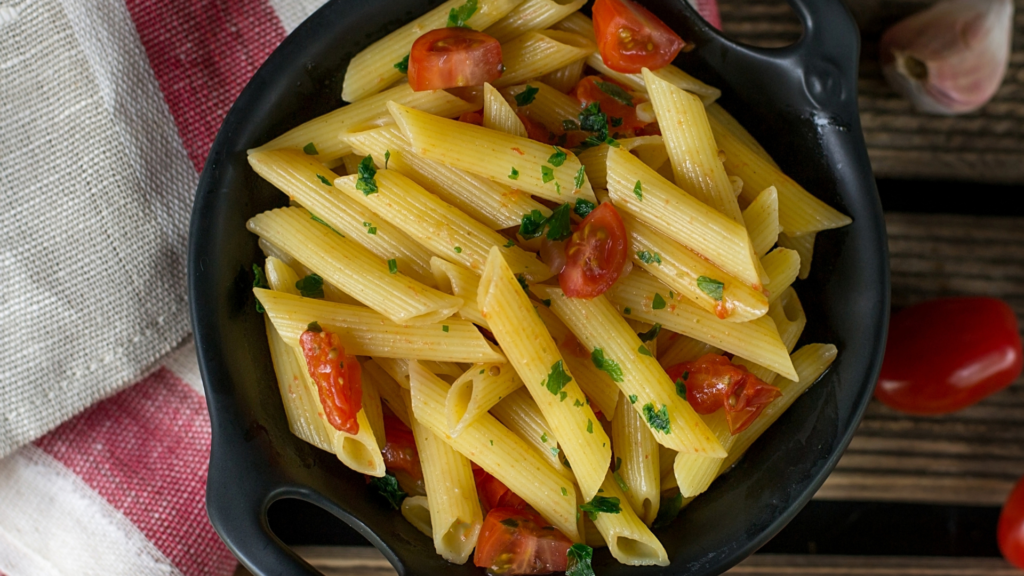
column 985, row 146
column 365, row 561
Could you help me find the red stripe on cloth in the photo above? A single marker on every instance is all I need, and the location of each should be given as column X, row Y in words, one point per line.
column 146, row 452
column 709, row 10
column 203, row 53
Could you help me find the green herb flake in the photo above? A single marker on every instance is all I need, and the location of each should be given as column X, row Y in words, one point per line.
column 605, row 504
column 658, row 303
column 559, row 224
column 482, row 371
column 583, row 207
column 311, row 286
column 681, row 386
column 606, row 364
column 617, row 465
column 510, row 523
column 554, row 451
column 387, row 486
column 387, row 158
column 557, row 378
column 546, row 302
column 562, row 396
column 622, row 483
column 324, row 181
column 570, row 125
column 514, row 174
column 310, row 149
column 638, row 191
column 616, row 92
column 458, row 249
column 402, row 65
column 632, row 398
column 319, row 220
column 615, row 122
column 547, row 174
column 444, row 328
column 457, row 17
column 590, row 426
column 522, row 283
column 510, row 243
column 314, row 327
column 648, row 257
column 650, row 334
column 593, row 120
column 579, row 181
column 558, row 158
column 492, row 442
column 366, row 182
column 372, row 230
column 577, row 404
column 657, row 419
column 644, row 351
column 670, row 508
column 564, row 491
column 627, row 311
column 259, row 282
column 711, row 287
column 558, row 188
column 393, row 266
column 532, row 224
column 544, row 437
column 525, row 98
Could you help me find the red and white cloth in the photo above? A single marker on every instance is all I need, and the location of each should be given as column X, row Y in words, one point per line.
column 107, row 111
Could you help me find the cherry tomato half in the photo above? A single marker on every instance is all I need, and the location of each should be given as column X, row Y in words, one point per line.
column 494, row 494
column 946, row 354
column 595, row 254
column 622, row 116
column 1010, row 532
column 400, row 450
column 712, row 382
column 453, row 57
column 630, row 38
column 338, row 378
column 514, row 541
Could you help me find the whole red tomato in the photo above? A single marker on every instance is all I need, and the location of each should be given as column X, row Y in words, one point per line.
column 1011, row 527
column 946, row 354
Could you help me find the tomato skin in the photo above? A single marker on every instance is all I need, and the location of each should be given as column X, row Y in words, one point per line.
column 1010, row 533
column 400, row 450
column 713, row 383
column 453, row 58
column 588, row 91
column 630, row 38
column 338, row 378
column 525, row 544
column 947, row 354
column 596, row 254
column 494, row 494
column 475, row 117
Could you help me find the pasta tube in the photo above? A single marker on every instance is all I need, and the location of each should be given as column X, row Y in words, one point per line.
column 461, row 282
column 476, row 392
column 391, row 392
column 301, row 405
column 804, row 246
column 416, row 511
column 549, row 106
column 331, row 292
column 532, row 15
column 762, row 218
column 649, row 149
column 535, row 54
column 637, row 463
column 498, row 115
column 737, row 131
column 782, row 266
column 629, row 540
column 521, row 415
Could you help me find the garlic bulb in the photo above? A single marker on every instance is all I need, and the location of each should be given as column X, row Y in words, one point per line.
column 950, row 58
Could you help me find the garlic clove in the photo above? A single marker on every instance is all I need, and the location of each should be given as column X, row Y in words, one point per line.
column 952, row 57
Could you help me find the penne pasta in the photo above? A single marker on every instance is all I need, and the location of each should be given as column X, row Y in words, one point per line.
column 443, row 229
column 390, row 391
column 729, row 124
column 416, row 510
column 629, row 540
column 374, row 411
column 565, row 78
column 649, row 149
column 685, row 349
column 535, row 54
column 331, row 292
column 616, row 349
column 637, row 468
column 650, row 300
column 532, row 15
column 499, row 452
column 495, row 204
column 548, row 106
column 461, row 282
column 521, row 415
column 498, row 115
column 762, row 218
column 301, row 405
column 782, row 266
column 354, row 269
column 535, row 357
column 318, row 138
column 368, row 333
column 373, row 69
column 303, row 179
column 682, row 270
column 804, row 246
column 496, row 156
column 691, row 146
column 476, row 392
column 642, row 193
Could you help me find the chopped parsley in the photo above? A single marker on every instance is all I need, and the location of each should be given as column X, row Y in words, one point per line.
column 578, row 560
column 638, row 191
column 583, row 207
column 617, row 465
column 650, row 334
column 366, row 183
column 387, row 158
column 510, row 243
column 324, row 181
column 578, row 404
column 644, row 351
column 403, row 65
column 457, row 17
column 711, row 287
column 554, row 451
column 522, row 283
column 544, row 437
column 546, row 174
column 558, row 188
column 388, row 487
column 310, row 149
column 558, row 224
column 658, row 303
column 393, row 266
column 546, row 302
column 579, row 181
column 311, row 286
column 525, row 98
column 444, row 328
column 616, row 92
column 492, row 442
column 259, row 282
column 632, row 398
column 657, row 419
column 458, row 249
column 562, row 396
column 593, row 120
column 648, row 257
column 514, row 174
column 319, row 220
column 590, row 426
column 606, row 364
column 314, row 327
column 370, row 228
column 627, row 311
column 558, row 158
column 622, row 483
column 605, row 504
column 510, row 523
column 615, row 122
column 564, row 491
column 681, row 386
column 669, row 510
column 557, row 378
column 569, row 125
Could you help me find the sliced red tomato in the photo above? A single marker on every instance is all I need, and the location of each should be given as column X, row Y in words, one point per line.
column 338, row 378
column 535, row 130
column 615, row 100
column 595, row 254
column 494, row 494
column 474, row 117
column 1010, row 532
column 712, row 382
column 630, row 38
column 452, row 58
column 400, row 451
column 514, row 541
column 946, row 354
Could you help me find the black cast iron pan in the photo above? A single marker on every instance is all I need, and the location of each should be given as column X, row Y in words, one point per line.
column 799, row 101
